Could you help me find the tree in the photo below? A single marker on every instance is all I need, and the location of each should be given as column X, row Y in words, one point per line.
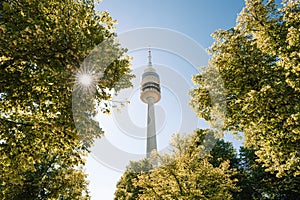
column 185, row 174
column 258, row 62
column 256, row 183
column 126, row 188
column 42, row 46
column 221, row 152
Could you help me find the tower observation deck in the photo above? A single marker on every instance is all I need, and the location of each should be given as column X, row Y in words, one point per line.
column 150, row 94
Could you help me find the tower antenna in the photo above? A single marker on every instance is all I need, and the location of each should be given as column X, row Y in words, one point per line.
column 149, row 57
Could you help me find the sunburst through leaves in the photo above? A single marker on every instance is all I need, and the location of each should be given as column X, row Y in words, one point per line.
column 86, row 79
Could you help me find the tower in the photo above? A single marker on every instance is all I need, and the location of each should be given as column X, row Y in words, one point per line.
column 150, row 94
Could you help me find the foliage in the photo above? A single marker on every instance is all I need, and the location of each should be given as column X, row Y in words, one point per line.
column 185, row 174
column 126, row 189
column 42, row 44
column 259, row 63
column 256, row 183
column 221, row 152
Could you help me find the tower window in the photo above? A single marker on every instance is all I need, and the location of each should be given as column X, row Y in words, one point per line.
column 150, row 74
column 151, row 86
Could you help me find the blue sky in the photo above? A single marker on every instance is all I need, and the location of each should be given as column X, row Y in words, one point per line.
column 195, row 19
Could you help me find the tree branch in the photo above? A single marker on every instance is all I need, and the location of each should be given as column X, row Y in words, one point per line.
column 3, row 121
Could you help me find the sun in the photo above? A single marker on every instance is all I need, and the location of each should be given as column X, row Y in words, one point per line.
column 86, row 80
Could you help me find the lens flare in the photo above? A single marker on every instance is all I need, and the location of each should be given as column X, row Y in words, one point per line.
column 86, row 79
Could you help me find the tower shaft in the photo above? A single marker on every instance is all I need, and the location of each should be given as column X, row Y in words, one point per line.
column 151, row 130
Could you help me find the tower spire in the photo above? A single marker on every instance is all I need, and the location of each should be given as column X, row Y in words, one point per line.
column 149, row 57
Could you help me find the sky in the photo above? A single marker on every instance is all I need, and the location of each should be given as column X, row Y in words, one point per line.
column 178, row 33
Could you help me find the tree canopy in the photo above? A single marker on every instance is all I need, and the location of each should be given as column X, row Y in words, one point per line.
column 256, row 183
column 126, row 186
column 185, row 174
column 258, row 61
column 42, row 46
